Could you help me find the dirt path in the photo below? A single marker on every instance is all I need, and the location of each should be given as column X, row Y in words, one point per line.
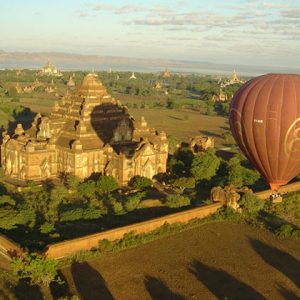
column 210, row 262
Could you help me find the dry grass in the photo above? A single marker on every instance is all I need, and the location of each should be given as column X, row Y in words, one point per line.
column 184, row 124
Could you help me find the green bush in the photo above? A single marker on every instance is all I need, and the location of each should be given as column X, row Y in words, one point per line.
column 288, row 230
column 251, row 204
column 105, row 245
column 175, row 201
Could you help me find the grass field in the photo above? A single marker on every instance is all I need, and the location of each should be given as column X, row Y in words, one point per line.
column 213, row 261
column 184, row 124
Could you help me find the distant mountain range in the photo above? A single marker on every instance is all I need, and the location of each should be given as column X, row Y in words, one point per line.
column 68, row 61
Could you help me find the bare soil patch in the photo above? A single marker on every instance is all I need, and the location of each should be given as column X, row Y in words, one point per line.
column 213, row 261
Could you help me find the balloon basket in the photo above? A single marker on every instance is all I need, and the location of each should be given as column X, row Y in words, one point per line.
column 276, row 198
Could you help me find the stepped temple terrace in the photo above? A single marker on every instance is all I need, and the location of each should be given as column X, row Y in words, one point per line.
column 87, row 132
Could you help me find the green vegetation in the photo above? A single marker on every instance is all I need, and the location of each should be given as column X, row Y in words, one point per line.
column 140, row 182
column 177, row 201
column 251, row 204
column 39, row 270
column 205, row 165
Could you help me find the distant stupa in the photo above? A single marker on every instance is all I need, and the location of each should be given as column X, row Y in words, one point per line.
column 71, row 82
column 166, row 73
column 132, row 76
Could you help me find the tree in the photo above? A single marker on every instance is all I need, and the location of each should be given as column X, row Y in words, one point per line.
column 184, row 183
column 238, row 175
column 176, row 200
column 186, row 156
column 87, row 189
column 72, row 182
column 117, row 208
column 205, row 165
column 58, row 193
column 251, row 204
column 12, row 215
column 140, row 182
column 170, row 103
column 106, row 185
column 132, row 201
column 40, row 270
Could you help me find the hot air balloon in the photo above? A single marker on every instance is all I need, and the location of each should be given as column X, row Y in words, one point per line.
column 265, row 122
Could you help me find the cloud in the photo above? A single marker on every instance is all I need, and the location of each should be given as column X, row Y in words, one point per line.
column 291, row 13
column 83, row 14
column 124, row 9
column 271, row 5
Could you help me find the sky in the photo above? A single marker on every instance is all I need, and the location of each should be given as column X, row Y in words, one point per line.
column 231, row 32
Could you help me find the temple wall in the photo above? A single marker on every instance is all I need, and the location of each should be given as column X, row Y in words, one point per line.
column 88, row 242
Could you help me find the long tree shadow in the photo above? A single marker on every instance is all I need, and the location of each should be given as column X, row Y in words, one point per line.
column 89, row 283
column 25, row 291
column 280, row 260
column 222, row 284
column 158, row 289
column 210, row 133
column 60, row 290
column 286, row 294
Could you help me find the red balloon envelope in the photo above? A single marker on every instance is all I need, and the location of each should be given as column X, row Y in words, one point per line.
column 265, row 122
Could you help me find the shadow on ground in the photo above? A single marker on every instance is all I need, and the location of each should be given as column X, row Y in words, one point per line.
column 278, row 259
column 25, row 291
column 158, row 290
column 60, row 290
column 286, row 294
column 89, row 283
column 222, row 284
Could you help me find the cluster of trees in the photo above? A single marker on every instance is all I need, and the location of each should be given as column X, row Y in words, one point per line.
column 41, row 207
column 206, row 169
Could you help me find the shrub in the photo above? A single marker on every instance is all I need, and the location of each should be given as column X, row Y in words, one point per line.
column 175, row 200
column 288, row 230
column 105, row 245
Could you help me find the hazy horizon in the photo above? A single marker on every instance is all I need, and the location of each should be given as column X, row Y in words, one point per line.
column 238, row 32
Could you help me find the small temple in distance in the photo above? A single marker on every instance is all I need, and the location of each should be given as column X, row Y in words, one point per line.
column 87, row 132
column 233, row 80
column 166, row 73
column 50, row 69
